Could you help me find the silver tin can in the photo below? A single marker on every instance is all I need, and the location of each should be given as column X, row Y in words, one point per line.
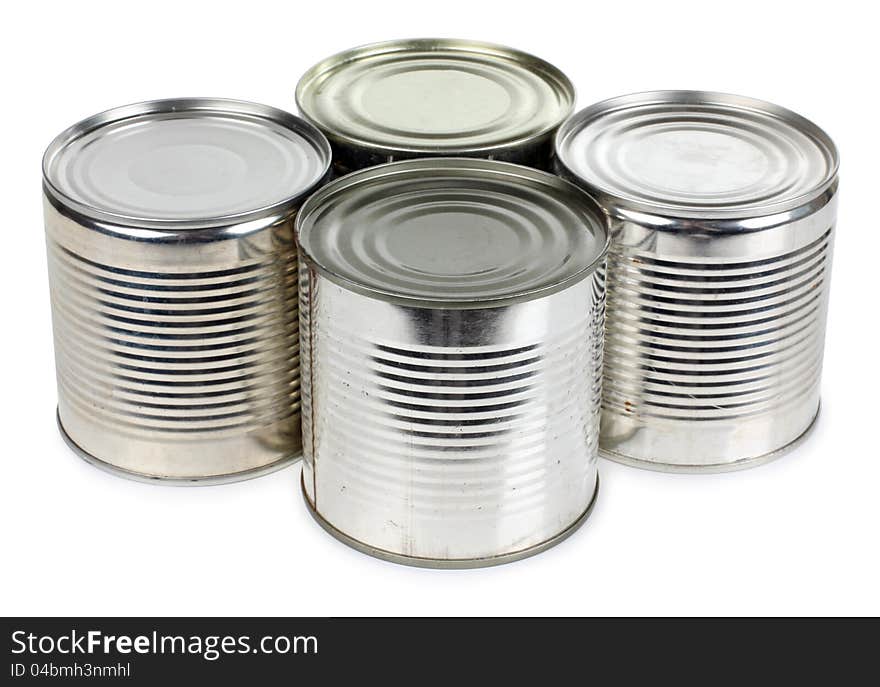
column 451, row 316
column 723, row 211
column 435, row 97
column 172, row 271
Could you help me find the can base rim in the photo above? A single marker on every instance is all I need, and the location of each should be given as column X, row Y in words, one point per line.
column 172, row 481
column 712, row 468
column 448, row 563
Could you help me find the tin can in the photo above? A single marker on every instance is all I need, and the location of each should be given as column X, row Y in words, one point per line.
column 450, row 321
column 723, row 211
column 435, row 97
column 172, row 271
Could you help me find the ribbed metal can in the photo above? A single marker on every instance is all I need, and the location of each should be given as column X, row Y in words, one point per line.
column 173, row 279
column 435, row 97
column 722, row 218
column 451, row 317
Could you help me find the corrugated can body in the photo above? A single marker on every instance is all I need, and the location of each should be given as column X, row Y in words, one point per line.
column 451, row 379
column 717, row 359
column 716, row 315
column 435, row 97
column 451, row 434
column 170, row 364
column 177, row 345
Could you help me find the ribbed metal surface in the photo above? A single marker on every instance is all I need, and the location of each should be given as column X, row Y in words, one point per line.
column 451, row 334
column 449, row 452
column 722, row 341
column 173, row 279
column 162, row 372
column 731, row 343
column 722, row 213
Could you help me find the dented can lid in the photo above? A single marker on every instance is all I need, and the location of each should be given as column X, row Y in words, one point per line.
column 696, row 154
column 452, row 232
column 185, row 163
column 434, row 97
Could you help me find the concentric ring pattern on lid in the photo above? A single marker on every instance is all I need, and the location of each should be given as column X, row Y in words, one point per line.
column 697, row 154
column 185, row 163
column 436, row 96
column 452, row 232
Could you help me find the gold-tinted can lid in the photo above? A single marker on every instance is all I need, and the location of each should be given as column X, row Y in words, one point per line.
column 434, row 97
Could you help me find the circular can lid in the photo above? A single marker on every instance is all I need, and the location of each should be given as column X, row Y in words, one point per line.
column 452, row 232
column 434, row 96
column 185, row 163
column 696, row 154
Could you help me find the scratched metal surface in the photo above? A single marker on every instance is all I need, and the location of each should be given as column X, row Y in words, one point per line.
column 173, row 280
column 438, row 426
column 722, row 219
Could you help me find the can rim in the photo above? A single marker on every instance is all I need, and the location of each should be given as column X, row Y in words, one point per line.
column 195, row 104
column 160, row 480
column 449, row 563
column 319, row 199
column 547, row 70
column 612, row 199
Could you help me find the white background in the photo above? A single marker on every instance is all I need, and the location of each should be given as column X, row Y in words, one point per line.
column 798, row 536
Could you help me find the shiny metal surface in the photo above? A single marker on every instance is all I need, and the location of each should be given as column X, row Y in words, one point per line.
column 168, row 481
column 435, row 97
column 722, row 220
column 450, row 563
column 450, row 404
column 173, row 280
